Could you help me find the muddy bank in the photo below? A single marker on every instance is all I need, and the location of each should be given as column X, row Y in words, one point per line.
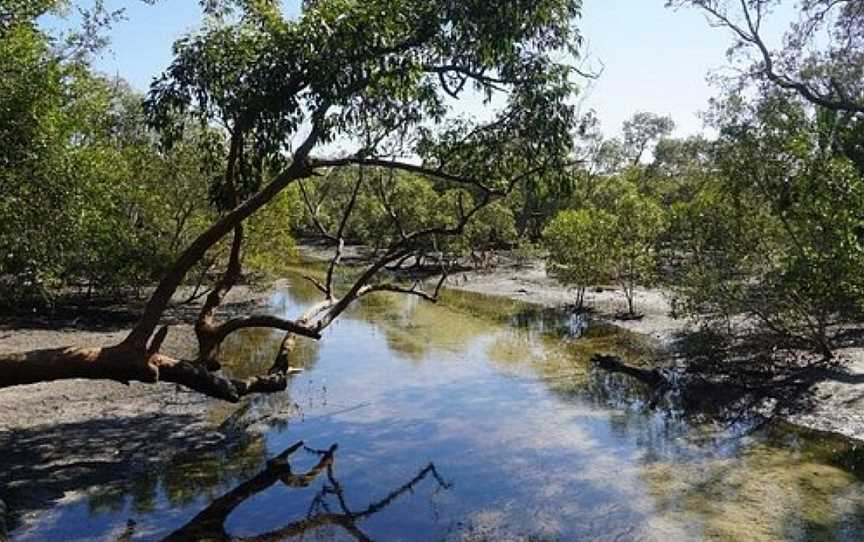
column 530, row 283
column 838, row 406
column 62, row 441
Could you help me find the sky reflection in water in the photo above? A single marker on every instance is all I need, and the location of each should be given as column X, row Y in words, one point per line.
column 529, row 444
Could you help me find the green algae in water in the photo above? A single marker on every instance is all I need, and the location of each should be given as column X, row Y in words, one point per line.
column 530, row 441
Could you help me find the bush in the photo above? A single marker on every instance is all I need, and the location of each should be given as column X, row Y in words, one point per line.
column 579, row 243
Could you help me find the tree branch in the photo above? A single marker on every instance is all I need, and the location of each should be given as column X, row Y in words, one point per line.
column 751, row 35
column 158, row 302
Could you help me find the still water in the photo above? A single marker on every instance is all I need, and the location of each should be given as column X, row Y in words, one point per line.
column 474, row 419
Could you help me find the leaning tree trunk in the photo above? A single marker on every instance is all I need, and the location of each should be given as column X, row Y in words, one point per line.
column 118, row 363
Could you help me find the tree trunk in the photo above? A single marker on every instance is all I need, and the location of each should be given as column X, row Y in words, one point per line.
column 125, row 365
column 117, row 363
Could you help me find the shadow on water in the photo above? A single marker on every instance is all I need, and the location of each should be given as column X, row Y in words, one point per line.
column 497, row 394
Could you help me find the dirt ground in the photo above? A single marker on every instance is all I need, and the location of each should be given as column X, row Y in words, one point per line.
column 61, row 440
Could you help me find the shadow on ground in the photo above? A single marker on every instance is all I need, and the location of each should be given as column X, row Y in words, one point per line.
column 108, row 460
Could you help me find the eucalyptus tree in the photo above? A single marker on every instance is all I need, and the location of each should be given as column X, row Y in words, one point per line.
column 822, row 53
column 374, row 75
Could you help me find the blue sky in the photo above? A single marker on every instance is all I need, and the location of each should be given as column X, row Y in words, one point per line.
column 655, row 59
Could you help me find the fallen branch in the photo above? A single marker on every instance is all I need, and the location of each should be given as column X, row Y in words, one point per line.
column 613, row 364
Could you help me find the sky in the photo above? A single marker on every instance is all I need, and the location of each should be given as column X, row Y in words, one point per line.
column 654, row 58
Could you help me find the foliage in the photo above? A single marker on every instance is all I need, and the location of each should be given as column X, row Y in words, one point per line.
column 31, row 98
column 378, row 76
column 638, row 225
column 270, row 247
column 643, row 129
column 778, row 237
column 579, row 243
column 373, row 66
column 526, row 252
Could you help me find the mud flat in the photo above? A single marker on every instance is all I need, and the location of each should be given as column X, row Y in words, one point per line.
column 60, row 439
column 838, row 406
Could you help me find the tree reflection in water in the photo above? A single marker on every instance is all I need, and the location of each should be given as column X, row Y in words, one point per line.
column 328, row 507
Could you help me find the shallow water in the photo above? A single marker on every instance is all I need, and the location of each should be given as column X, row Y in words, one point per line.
column 524, row 443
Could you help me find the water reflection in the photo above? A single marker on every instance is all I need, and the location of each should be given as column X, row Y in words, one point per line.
column 328, row 507
column 501, row 397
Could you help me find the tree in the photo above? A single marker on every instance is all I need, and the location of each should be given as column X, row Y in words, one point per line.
column 493, row 228
column 578, row 243
column 777, row 237
column 373, row 74
column 639, row 221
column 643, row 129
column 87, row 205
column 30, row 166
column 822, row 58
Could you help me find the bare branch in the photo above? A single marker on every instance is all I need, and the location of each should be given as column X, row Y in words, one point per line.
column 404, row 166
column 316, row 283
column 414, row 290
column 264, row 321
column 749, row 34
column 385, row 202
column 313, row 211
column 340, row 234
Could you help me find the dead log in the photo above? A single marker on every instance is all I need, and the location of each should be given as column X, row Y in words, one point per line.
column 613, row 364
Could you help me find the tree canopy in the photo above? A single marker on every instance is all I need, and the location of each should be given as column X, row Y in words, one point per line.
column 379, row 76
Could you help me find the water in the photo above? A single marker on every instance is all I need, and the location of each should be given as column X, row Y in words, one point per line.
column 478, row 419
